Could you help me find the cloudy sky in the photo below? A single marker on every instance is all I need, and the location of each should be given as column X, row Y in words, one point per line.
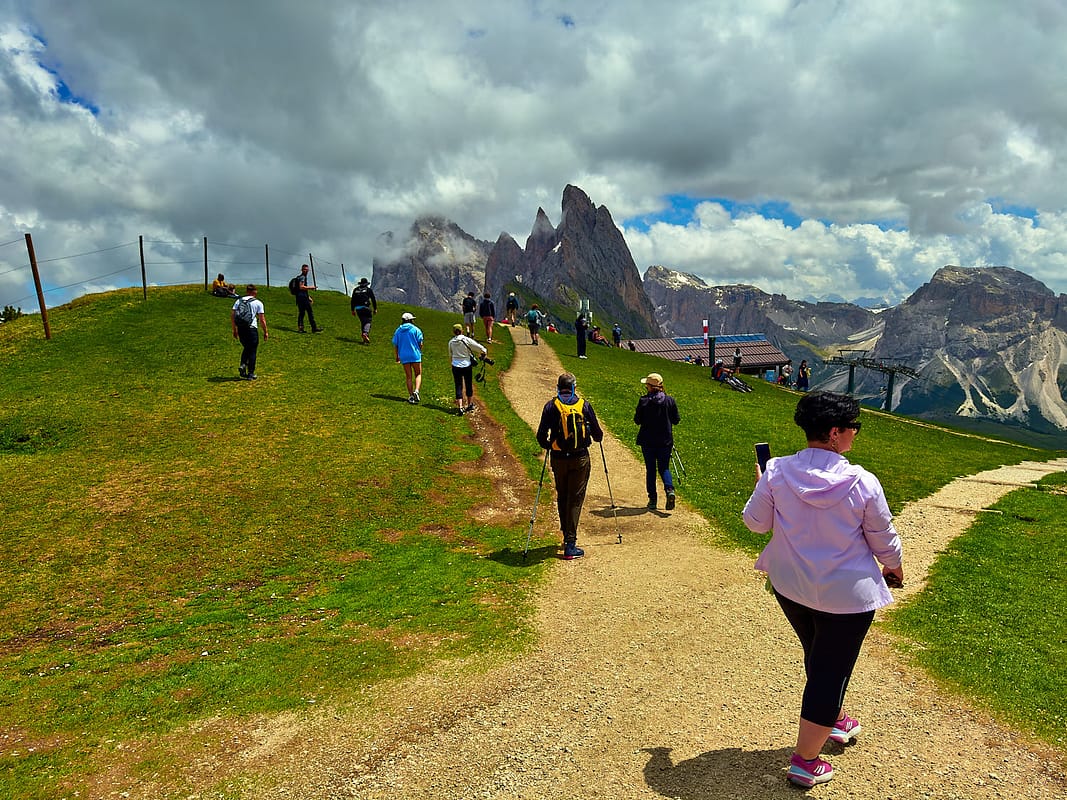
column 814, row 148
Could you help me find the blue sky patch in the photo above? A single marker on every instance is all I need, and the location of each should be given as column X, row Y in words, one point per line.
column 1002, row 206
column 680, row 210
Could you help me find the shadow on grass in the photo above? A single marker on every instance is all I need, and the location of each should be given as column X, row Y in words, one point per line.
column 440, row 409
column 513, row 558
column 226, row 379
column 741, row 773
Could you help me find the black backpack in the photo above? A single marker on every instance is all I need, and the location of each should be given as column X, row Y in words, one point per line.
column 294, row 284
column 468, row 305
column 361, row 297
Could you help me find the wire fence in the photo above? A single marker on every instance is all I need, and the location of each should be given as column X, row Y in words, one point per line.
column 153, row 262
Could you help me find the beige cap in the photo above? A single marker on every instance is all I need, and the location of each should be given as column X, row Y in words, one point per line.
column 653, row 379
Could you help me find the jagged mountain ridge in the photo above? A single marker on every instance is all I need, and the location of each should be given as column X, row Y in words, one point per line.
column 987, row 342
column 584, row 257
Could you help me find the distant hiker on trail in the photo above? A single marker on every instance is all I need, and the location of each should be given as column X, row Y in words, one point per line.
column 534, row 320
column 247, row 318
column 470, row 305
column 830, row 529
column 657, row 414
column 487, row 311
column 568, row 426
column 462, row 349
column 581, row 331
column 616, row 334
column 803, row 375
column 299, row 287
column 407, row 343
column 220, row 288
column 737, row 360
column 364, row 306
column 511, row 309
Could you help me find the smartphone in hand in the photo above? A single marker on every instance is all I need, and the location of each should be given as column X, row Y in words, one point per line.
column 763, row 452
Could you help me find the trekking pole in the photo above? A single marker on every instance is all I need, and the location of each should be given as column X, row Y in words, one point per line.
column 614, row 513
column 533, row 516
column 677, row 458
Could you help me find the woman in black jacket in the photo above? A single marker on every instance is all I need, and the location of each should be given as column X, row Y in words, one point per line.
column 657, row 414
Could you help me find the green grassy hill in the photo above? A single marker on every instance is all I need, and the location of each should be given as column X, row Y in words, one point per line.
column 178, row 543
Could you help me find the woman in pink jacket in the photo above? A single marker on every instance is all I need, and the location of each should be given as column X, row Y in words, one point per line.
column 831, row 530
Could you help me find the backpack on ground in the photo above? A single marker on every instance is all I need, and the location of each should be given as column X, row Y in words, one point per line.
column 242, row 311
column 574, row 432
column 294, row 284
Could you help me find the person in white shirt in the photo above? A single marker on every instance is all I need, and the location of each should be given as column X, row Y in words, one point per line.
column 246, row 330
column 463, row 351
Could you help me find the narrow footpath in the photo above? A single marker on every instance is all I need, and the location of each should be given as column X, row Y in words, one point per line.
column 663, row 669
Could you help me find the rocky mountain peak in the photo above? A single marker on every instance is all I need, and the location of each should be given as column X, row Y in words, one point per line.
column 434, row 265
column 584, row 257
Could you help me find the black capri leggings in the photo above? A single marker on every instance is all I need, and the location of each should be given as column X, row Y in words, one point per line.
column 463, row 377
column 831, row 645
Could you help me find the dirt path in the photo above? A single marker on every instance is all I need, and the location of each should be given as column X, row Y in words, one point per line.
column 663, row 669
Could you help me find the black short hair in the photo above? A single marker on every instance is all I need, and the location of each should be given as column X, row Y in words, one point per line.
column 818, row 412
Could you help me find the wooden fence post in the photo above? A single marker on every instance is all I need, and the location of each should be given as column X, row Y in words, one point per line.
column 205, row 263
column 266, row 261
column 37, row 283
column 144, row 276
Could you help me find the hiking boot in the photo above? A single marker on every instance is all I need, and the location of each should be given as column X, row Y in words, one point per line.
column 316, row 330
column 809, row 773
column 252, row 376
column 845, row 730
column 572, row 551
column 366, row 339
column 242, row 371
column 415, row 397
column 670, row 501
column 469, row 408
column 411, row 399
column 651, row 502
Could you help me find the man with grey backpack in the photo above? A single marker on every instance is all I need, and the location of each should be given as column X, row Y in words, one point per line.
column 246, row 319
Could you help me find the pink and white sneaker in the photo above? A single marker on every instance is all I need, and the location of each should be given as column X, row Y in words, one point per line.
column 845, row 730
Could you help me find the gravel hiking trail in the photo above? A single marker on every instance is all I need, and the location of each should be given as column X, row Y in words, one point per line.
column 661, row 669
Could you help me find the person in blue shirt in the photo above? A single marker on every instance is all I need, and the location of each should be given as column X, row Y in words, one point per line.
column 407, row 343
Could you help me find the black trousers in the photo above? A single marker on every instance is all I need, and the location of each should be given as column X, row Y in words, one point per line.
column 463, row 377
column 572, row 477
column 831, row 645
column 582, row 342
column 303, row 305
column 249, row 338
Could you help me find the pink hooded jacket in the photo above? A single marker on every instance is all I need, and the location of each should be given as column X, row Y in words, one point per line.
column 830, row 523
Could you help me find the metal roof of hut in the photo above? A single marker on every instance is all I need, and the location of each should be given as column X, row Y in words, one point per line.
column 757, row 354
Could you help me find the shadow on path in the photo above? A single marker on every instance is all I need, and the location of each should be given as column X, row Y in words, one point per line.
column 727, row 773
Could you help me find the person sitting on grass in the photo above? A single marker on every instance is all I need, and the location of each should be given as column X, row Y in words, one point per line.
column 220, row 288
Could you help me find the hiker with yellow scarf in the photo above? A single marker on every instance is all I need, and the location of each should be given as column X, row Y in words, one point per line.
column 568, row 426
